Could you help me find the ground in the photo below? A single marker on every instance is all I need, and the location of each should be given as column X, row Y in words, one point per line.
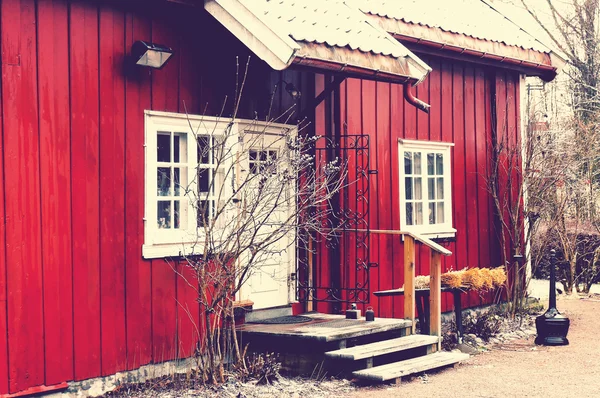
column 520, row 368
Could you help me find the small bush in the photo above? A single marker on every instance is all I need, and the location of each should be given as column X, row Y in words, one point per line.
column 483, row 325
column 261, row 367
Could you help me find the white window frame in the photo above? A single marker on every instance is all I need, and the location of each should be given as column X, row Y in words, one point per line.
column 161, row 243
column 440, row 230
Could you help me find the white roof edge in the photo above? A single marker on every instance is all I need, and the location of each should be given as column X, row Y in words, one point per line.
column 554, row 53
column 276, row 49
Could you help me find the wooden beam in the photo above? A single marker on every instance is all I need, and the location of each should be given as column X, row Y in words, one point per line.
column 409, row 280
column 420, row 238
column 435, row 297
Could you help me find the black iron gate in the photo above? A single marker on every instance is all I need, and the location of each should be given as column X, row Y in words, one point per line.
column 344, row 278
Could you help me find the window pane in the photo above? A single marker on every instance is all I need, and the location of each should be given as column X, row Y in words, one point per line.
column 440, row 213
column 419, row 213
column 262, row 155
column 408, row 188
column 409, row 214
column 180, row 148
column 203, row 180
column 440, row 188
column 417, row 162
column 204, row 211
column 164, row 214
column 407, row 162
column 163, row 147
column 181, row 183
column 439, row 164
column 430, row 166
column 253, row 155
column 163, row 181
column 181, row 214
column 431, row 213
column 431, row 188
column 203, row 149
column 418, row 188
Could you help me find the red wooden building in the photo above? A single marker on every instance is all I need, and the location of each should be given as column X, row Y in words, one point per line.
column 84, row 288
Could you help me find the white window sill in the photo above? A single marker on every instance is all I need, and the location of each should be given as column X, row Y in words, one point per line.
column 444, row 233
column 169, row 250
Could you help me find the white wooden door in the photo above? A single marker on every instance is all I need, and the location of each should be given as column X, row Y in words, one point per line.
column 269, row 284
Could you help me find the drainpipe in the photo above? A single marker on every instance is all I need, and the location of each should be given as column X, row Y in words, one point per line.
column 411, row 99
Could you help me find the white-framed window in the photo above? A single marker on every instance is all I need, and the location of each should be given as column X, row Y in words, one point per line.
column 425, row 188
column 183, row 181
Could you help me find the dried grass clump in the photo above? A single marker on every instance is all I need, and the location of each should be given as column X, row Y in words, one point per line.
column 472, row 279
column 486, row 276
column 498, row 276
column 452, row 279
column 422, row 282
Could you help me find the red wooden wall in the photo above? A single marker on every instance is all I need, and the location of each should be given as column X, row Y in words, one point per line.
column 463, row 98
column 76, row 298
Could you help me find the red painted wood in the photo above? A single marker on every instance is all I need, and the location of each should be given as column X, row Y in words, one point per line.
column 383, row 144
column 3, row 281
column 164, row 309
column 85, row 160
column 396, row 132
column 369, row 125
column 22, row 193
column 112, row 188
column 471, row 178
column 482, row 154
column 55, row 150
column 165, row 85
column 188, row 322
column 37, row 390
column 138, row 272
column 165, row 82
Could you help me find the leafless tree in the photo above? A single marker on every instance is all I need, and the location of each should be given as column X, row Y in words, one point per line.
column 259, row 191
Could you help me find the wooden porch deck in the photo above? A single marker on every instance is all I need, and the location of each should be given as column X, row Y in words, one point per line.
column 326, row 328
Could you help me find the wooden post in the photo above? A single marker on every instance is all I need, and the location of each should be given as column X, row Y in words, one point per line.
column 409, row 280
column 435, row 297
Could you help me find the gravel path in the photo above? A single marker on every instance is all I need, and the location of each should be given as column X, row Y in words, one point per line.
column 520, row 368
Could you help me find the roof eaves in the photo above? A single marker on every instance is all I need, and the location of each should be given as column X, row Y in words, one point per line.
column 267, row 41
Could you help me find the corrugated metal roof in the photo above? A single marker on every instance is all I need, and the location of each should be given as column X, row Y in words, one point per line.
column 475, row 18
column 330, row 22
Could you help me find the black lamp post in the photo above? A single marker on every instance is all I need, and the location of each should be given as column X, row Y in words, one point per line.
column 552, row 327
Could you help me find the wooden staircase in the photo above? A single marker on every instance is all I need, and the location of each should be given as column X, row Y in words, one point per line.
column 391, row 359
column 363, row 358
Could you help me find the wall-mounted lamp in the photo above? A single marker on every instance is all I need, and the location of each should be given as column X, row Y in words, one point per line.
column 292, row 90
column 150, row 54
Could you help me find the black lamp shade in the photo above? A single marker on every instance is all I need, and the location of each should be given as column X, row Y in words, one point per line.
column 150, row 54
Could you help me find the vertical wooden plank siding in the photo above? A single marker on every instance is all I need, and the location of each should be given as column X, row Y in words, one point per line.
column 85, row 161
column 138, row 283
column 460, row 114
column 165, row 88
column 396, row 132
column 112, row 184
column 22, row 193
column 384, row 197
column 3, row 268
column 55, row 169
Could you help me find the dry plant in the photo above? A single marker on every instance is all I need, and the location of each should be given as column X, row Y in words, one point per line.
column 258, row 191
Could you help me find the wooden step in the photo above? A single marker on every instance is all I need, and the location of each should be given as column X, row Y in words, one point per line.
column 383, row 347
column 415, row 365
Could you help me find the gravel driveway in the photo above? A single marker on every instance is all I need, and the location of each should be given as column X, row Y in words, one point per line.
column 520, row 368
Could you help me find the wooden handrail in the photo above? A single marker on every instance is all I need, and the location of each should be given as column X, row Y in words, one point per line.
column 420, row 238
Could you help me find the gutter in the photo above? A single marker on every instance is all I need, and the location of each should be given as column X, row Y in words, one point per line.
column 363, row 73
column 548, row 71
